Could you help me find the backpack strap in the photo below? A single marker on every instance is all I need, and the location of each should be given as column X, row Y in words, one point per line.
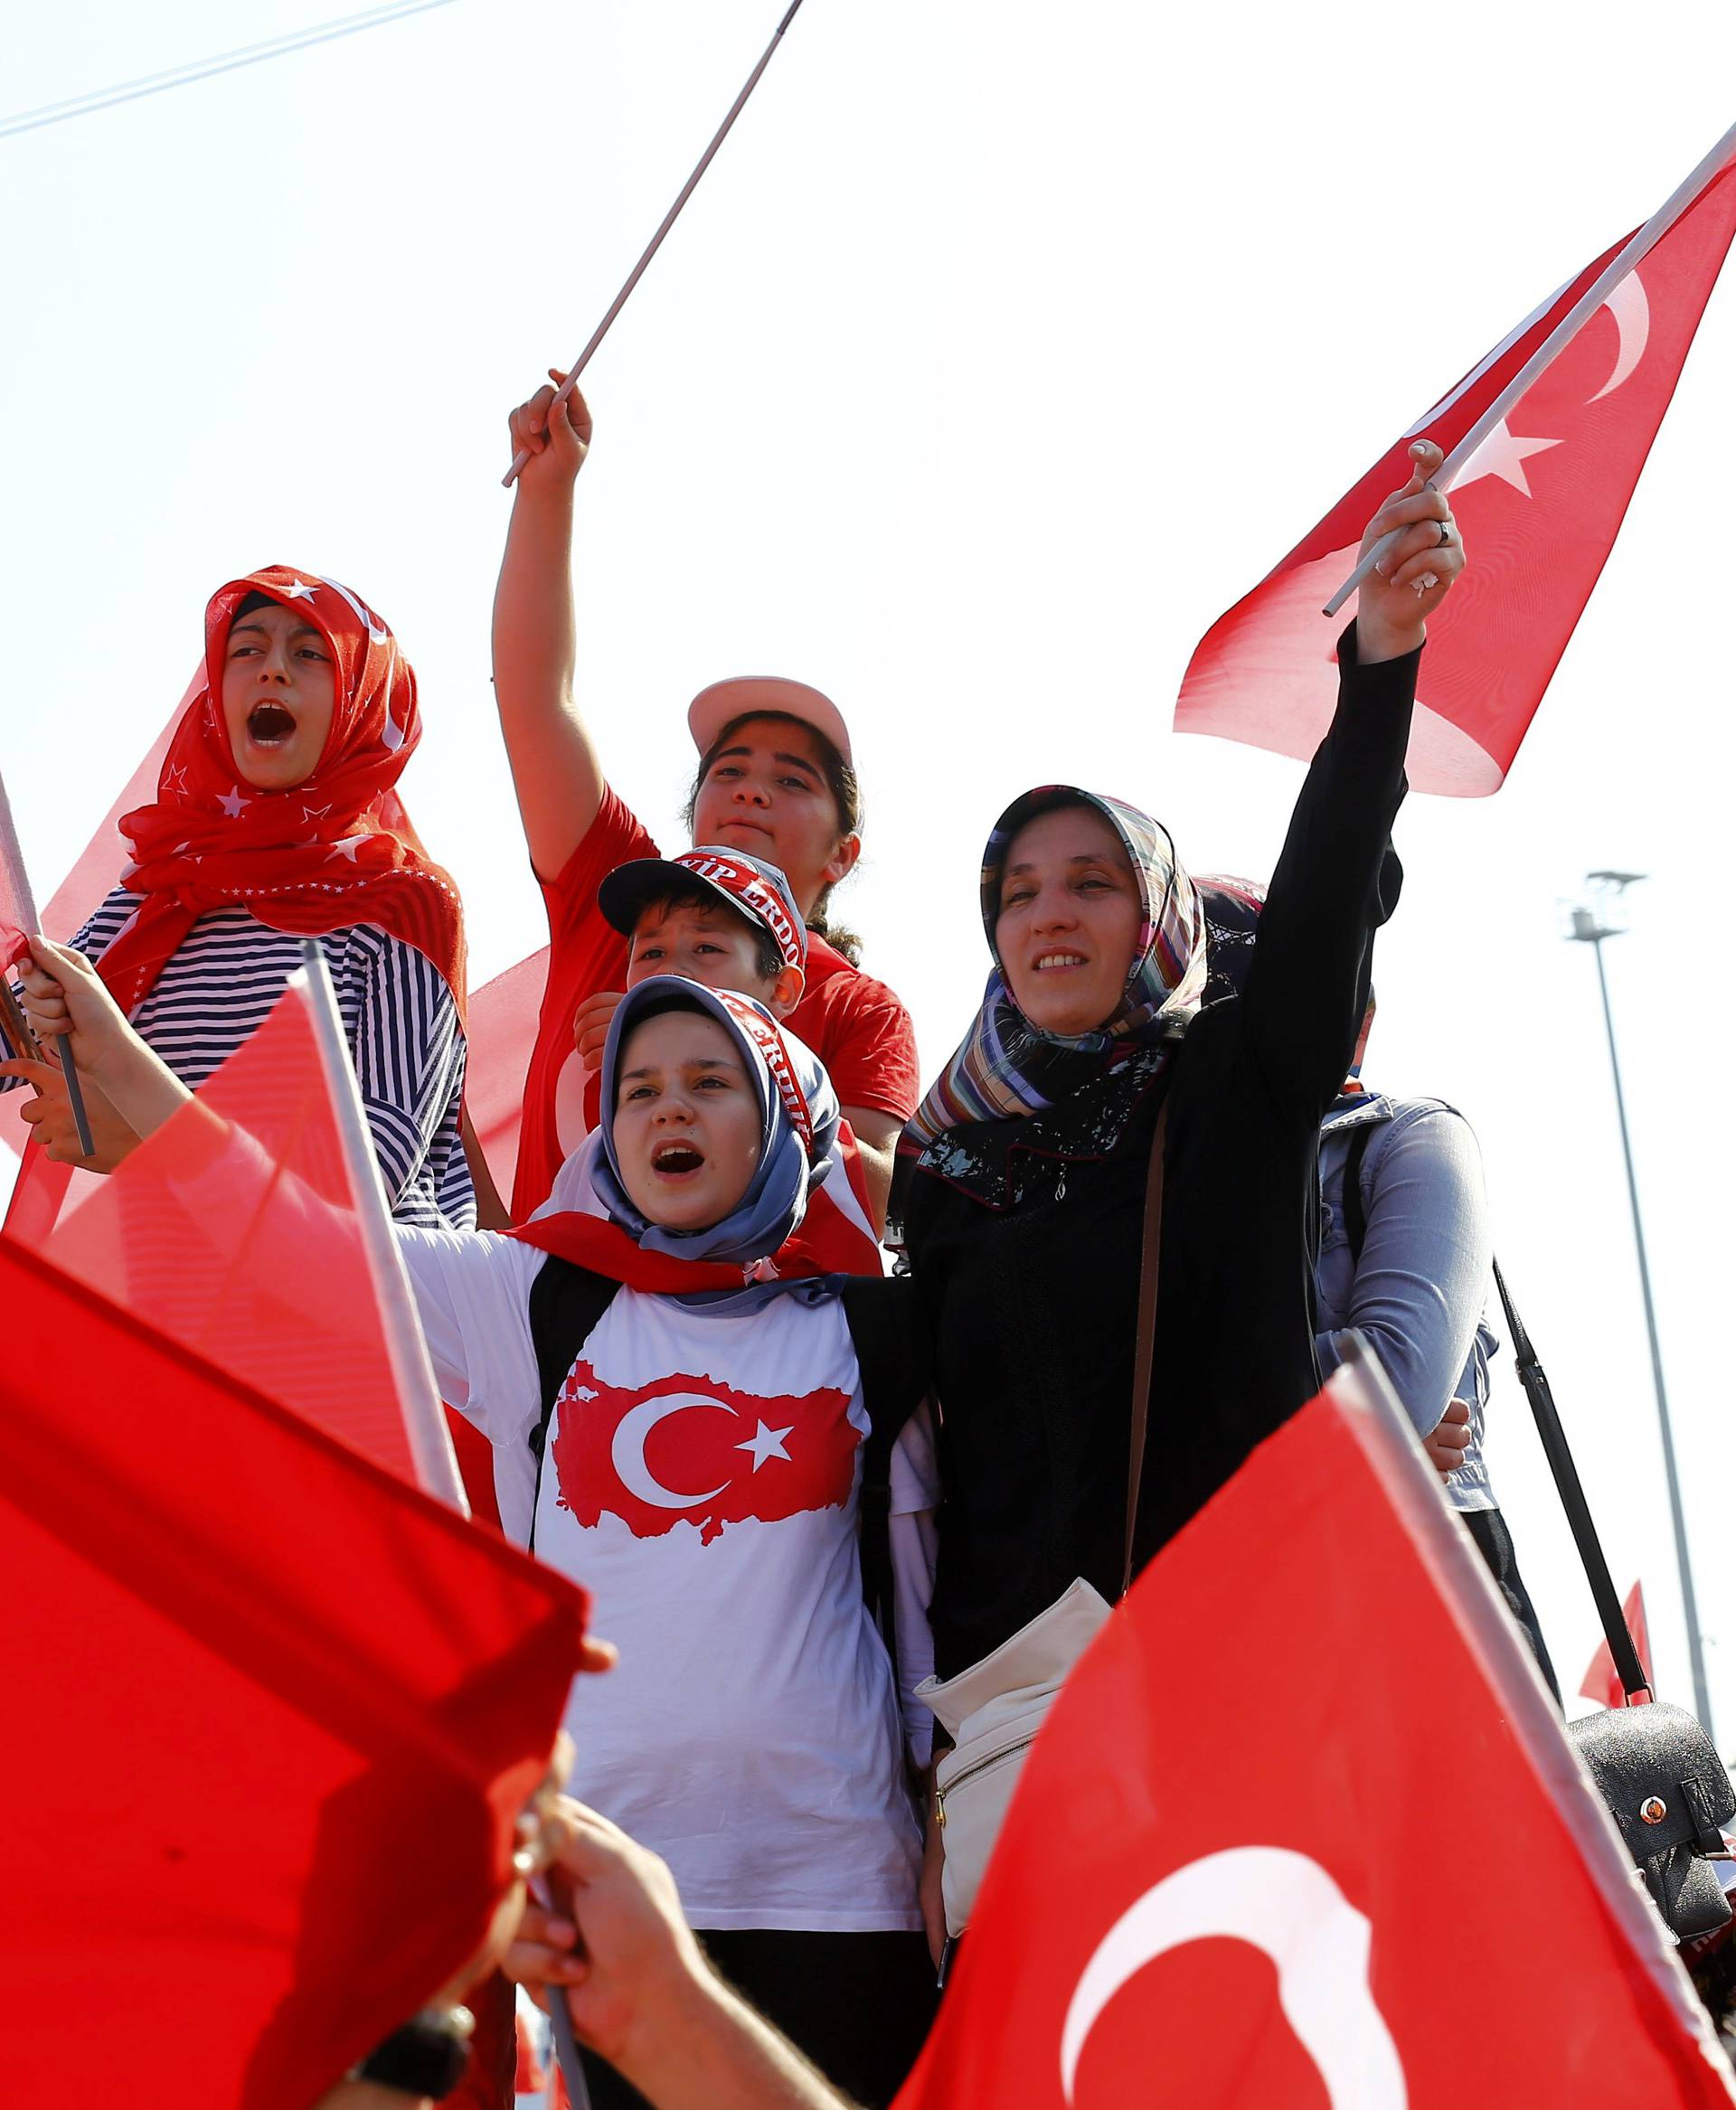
column 1351, row 1197
column 891, row 1346
column 566, row 1302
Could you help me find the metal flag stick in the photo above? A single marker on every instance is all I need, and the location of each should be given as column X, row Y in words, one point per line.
column 11, row 862
column 1583, row 309
column 669, row 219
column 430, row 1441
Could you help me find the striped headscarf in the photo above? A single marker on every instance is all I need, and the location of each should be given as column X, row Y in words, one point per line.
column 1007, row 1067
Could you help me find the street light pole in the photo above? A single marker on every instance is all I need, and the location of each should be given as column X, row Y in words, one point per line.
column 1588, row 930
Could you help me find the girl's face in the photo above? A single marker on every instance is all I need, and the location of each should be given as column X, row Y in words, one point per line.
column 278, row 694
column 1070, row 918
column 767, row 793
column 687, row 1121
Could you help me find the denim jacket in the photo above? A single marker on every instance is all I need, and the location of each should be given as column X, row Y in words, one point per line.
column 1418, row 1291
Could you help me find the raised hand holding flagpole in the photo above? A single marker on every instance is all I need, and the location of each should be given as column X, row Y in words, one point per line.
column 19, row 921
column 1631, row 252
column 656, row 243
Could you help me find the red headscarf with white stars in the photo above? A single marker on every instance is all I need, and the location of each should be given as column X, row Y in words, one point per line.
column 337, row 849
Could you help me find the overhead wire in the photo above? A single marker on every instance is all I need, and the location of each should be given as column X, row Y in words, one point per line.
column 324, row 33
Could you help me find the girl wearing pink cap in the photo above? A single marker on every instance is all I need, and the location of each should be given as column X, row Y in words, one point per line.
column 774, row 780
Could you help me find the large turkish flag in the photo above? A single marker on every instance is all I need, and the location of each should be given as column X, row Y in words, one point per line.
column 1539, row 504
column 270, row 1716
column 1302, row 1829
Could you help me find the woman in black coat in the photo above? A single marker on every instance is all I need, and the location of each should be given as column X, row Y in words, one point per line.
column 1023, row 1186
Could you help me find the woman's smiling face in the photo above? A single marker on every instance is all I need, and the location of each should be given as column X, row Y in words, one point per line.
column 1070, row 917
column 278, row 694
column 688, row 1126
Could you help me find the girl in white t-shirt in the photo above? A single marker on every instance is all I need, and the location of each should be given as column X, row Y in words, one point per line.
column 696, row 1444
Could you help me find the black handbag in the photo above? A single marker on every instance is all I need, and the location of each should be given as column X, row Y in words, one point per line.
column 1655, row 1767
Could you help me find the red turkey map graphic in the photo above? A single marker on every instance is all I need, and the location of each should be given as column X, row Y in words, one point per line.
column 694, row 1450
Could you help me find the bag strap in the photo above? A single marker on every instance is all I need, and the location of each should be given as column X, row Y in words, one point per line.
column 1544, row 1412
column 565, row 1303
column 1144, row 1339
column 1351, row 1195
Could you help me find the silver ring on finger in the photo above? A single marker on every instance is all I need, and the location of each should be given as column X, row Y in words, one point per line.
column 1446, row 535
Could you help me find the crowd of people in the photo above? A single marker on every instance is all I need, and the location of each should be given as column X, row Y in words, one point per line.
column 810, row 1489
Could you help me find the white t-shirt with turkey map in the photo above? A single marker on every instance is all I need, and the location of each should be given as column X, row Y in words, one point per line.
column 700, row 1481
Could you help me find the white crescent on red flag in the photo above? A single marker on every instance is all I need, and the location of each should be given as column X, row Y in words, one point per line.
column 1303, row 1829
column 1539, row 505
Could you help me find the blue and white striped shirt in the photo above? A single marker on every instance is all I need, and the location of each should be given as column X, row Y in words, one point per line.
column 399, row 1018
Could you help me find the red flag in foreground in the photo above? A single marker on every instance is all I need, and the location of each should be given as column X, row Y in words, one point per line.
column 206, row 1264
column 271, row 1714
column 1540, row 504
column 1601, row 1683
column 1304, row 1829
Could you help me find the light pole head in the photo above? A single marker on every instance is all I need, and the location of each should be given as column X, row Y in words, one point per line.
column 1584, row 926
column 1615, row 883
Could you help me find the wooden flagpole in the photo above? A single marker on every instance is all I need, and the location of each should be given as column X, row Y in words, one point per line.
column 1577, row 315
column 656, row 243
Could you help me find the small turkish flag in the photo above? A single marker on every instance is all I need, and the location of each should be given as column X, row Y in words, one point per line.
column 1601, row 1683
column 1302, row 1829
column 693, row 1450
column 1538, row 506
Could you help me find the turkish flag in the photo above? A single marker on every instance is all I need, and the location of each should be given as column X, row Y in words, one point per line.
column 271, row 1714
column 98, row 868
column 1303, row 1829
column 14, row 890
column 1601, row 1683
column 501, row 1030
column 694, row 1450
column 1539, row 504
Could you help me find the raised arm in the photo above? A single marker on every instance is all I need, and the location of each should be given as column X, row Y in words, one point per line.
column 555, row 770
column 1337, row 881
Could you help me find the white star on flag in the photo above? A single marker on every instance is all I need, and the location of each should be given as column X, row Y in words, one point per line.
column 296, row 591
column 315, row 813
column 1502, row 454
column 767, row 1443
column 348, row 847
column 233, row 802
column 176, row 779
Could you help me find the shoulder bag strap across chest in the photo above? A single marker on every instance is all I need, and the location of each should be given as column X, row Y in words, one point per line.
column 1144, row 1334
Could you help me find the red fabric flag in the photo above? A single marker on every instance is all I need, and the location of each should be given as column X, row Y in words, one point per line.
column 502, row 1031
column 1540, row 504
column 205, row 1261
column 1601, row 1683
column 1303, row 1829
column 272, row 1713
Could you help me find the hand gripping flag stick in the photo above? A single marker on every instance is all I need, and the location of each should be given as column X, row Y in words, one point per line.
column 15, row 881
column 669, row 219
column 1557, row 340
column 431, row 1442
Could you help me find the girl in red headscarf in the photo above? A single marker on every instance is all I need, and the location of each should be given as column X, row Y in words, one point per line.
column 277, row 819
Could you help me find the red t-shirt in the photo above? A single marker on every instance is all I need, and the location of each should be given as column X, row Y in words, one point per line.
column 855, row 1025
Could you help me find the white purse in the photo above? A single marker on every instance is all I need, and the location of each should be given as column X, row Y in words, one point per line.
column 993, row 1708
column 993, row 1711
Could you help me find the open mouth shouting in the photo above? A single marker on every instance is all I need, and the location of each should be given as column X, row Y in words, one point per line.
column 270, row 725
column 677, row 1162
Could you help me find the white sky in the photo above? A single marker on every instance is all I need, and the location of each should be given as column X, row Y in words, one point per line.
column 1004, row 346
